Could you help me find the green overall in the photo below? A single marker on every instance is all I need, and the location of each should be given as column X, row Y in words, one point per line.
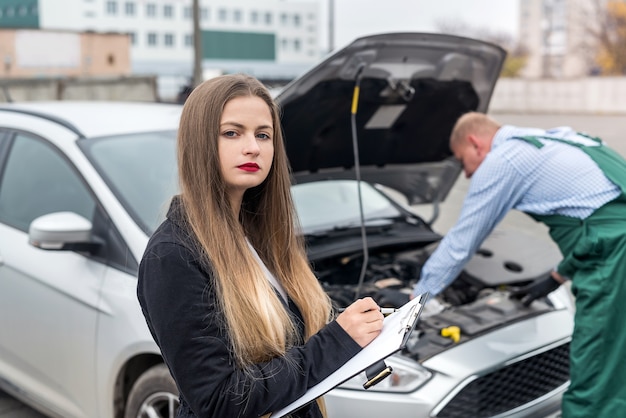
column 594, row 251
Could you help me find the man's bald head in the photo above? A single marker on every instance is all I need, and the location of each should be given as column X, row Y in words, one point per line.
column 471, row 140
column 473, row 123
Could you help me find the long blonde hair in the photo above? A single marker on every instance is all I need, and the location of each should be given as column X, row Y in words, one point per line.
column 258, row 324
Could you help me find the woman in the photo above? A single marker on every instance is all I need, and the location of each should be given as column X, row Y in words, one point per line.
column 224, row 284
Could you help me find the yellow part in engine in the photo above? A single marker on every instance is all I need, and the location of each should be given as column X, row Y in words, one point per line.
column 453, row 332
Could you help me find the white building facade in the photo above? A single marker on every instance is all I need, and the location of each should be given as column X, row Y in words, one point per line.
column 268, row 38
column 557, row 36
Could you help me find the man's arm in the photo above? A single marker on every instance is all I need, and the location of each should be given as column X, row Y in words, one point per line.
column 538, row 288
column 495, row 188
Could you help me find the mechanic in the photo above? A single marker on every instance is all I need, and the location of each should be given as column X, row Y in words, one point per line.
column 576, row 185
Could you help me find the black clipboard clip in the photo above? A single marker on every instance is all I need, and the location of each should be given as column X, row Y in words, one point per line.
column 376, row 373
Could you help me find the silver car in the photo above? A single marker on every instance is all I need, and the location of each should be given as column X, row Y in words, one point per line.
column 83, row 185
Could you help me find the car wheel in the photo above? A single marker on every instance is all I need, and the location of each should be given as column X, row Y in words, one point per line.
column 154, row 395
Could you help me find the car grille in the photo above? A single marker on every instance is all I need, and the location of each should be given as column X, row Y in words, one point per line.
column 511, row 386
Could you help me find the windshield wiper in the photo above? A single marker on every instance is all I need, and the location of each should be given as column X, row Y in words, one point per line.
column 383, row 222
column 372, row 226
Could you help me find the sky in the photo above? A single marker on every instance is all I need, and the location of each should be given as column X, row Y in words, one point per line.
column 355, row 18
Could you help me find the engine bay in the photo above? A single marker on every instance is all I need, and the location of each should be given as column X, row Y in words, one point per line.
column 471, row 306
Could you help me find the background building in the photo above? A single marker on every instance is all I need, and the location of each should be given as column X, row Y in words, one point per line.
column 270, row 39
column 37, row 53
column 558, row 37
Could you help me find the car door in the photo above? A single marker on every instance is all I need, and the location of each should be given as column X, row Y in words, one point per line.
column 48, row 299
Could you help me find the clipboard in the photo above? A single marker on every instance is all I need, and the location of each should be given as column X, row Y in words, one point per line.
column 397, row 328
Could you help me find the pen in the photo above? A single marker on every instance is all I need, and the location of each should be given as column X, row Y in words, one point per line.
column 384, row 311
column 388, row 311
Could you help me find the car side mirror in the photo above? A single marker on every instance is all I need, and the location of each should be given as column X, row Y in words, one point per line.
column 62, row 231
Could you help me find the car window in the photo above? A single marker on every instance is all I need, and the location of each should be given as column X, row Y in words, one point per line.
column 335, row 203
column 37, row 180
column 141, row 171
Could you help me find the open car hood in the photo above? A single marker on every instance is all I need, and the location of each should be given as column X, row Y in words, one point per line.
column 413, row 87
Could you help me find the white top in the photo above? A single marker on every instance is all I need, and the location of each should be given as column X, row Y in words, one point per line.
column 272, row 279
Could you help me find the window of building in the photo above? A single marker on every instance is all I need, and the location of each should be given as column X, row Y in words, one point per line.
column 9, row 11
column 168, row 11
column 22, row 10
column 204, row 13
column 152, row 39
column 283, row 19
column 168, row 39
column 254, row 16
column 222, row 15
column 284, row 44
column 188, row 39
column 187, row 14
column 297, row 20
column 268, row 18
column 296, row 45
column 133, row 38
column 129, row 8
column 151, row 10
column 111, row 7
column 237, row 15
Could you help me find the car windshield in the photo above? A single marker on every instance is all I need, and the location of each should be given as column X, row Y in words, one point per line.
column 333, row 204
column 140, row 169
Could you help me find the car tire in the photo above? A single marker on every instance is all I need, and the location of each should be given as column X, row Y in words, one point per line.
column 154, row 394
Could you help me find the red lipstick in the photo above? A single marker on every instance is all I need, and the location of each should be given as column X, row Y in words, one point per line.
column 249, row 167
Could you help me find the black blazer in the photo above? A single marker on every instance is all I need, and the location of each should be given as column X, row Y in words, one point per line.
column 178, row 300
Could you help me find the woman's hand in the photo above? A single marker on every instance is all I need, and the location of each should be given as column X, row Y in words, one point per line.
column 362, row 320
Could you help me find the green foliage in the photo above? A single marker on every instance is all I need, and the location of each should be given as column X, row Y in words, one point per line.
column 513, row 65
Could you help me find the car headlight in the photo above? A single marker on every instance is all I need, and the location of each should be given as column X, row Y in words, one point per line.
column 407, row 376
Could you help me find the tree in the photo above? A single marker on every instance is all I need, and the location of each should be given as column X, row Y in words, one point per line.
column 516, row 54
column 611, row 38
column 604, row 24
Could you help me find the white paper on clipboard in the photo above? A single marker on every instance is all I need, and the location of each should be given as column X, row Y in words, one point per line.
column 396, row 329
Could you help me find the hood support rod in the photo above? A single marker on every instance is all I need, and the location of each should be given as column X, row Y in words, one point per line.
column 357, row 171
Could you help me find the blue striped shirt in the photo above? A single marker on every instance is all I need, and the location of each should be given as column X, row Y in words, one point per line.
column 557, row 179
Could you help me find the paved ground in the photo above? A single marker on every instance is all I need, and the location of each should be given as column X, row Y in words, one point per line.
column 609, row 128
